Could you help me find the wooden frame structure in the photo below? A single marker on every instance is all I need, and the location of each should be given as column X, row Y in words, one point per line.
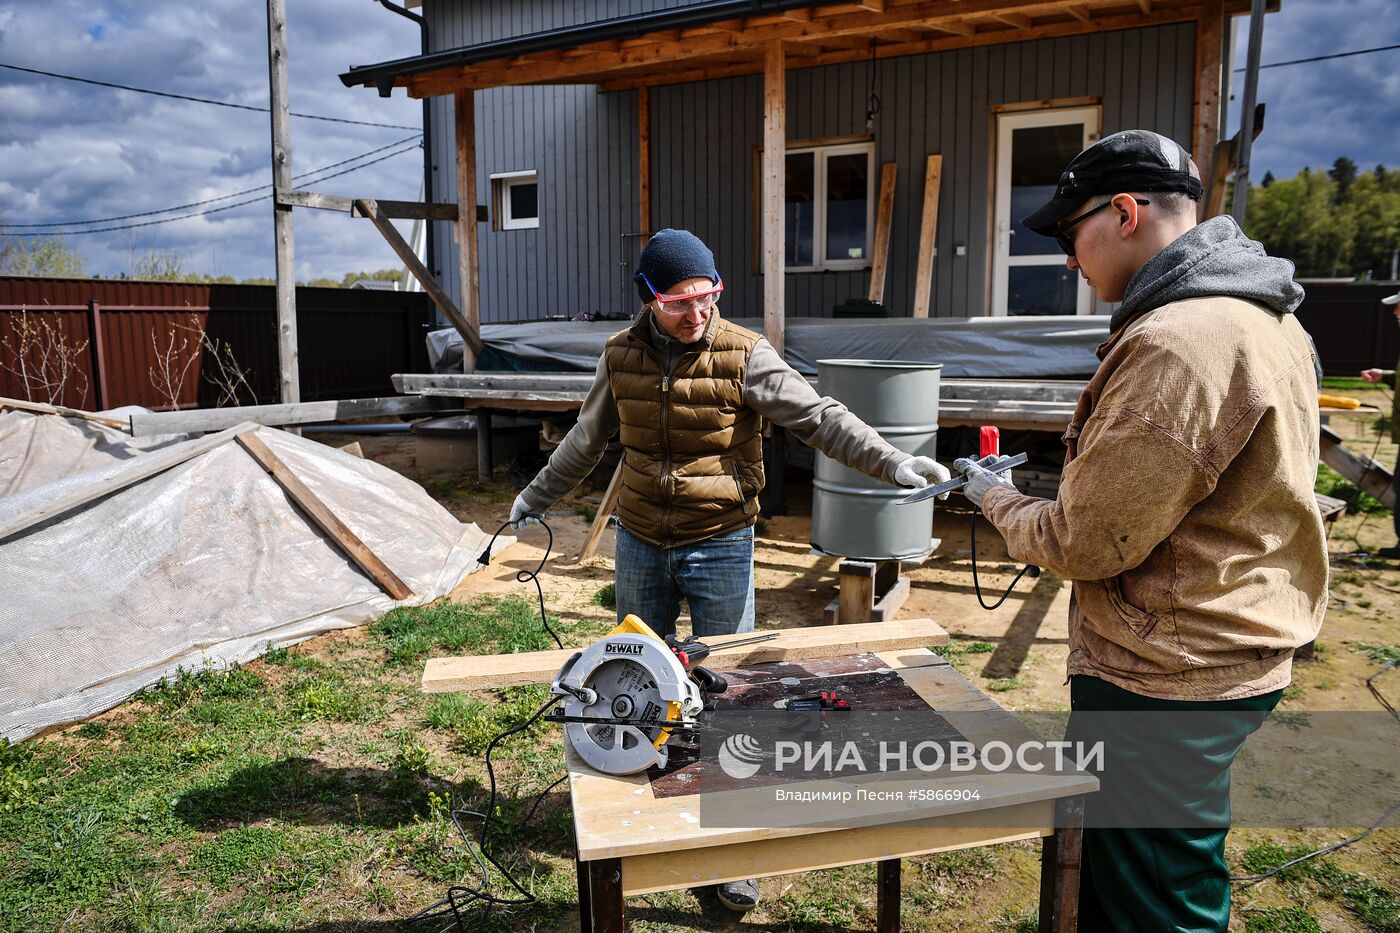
column 649, row 50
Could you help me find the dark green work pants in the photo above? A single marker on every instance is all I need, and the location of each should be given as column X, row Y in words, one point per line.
column 1165, row 771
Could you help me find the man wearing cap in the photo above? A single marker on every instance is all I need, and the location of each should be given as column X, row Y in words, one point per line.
column 1387, row 376
column 1185, row 519
column 687, row 392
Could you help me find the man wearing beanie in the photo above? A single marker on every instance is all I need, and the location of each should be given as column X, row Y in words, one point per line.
column 1185, row 519
column 687, row 392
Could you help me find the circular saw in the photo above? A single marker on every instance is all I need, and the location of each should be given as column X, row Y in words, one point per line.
column 623, row 696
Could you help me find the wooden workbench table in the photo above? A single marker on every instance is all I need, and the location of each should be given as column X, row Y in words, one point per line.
column 638, row 834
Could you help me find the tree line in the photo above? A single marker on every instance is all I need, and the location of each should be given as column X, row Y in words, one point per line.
column 1336, row 223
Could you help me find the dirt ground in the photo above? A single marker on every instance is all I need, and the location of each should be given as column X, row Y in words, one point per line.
column 1018, row 650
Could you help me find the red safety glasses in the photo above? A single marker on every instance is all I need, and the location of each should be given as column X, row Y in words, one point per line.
column 683, row 304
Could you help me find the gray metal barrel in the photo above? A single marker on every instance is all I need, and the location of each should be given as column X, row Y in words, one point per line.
column 856, row 516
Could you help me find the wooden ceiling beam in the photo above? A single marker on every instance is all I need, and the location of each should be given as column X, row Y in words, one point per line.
column 957, row 27
column 666, row 51
column 1015, row 20
column 1067, row 27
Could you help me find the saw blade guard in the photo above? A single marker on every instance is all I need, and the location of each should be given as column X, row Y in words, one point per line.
column 630, row 673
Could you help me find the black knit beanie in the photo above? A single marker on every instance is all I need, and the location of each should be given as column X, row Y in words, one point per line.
column 673, row 256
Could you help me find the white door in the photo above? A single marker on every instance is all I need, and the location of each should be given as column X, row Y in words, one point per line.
column 1028, row 270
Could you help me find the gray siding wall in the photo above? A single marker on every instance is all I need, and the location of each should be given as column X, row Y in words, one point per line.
column 704, row 135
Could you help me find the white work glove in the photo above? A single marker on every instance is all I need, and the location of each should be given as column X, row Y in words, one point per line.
column 979, row 478
column 918, row 472
column 521, row 514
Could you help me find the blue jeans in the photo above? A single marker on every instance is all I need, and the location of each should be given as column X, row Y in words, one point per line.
column 715, row 576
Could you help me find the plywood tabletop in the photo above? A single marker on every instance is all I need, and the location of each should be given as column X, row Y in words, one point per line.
column 644, row 814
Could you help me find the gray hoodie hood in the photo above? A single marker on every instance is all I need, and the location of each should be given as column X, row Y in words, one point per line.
column 1212, row 259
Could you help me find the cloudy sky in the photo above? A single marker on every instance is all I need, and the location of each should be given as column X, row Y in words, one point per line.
column 72, row 152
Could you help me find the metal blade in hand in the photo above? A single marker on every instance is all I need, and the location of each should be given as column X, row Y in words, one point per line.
column 928, row 492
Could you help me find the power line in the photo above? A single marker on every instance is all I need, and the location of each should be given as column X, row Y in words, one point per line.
column 222, row 197
column 1324, row 58
column 212, row 210
column 198, row 100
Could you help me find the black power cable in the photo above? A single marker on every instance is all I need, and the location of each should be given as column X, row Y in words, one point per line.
column 212, row 210
column 460, row 897
column 528, row 576
column 977, row 584
column 223, row 197
column 197, row 100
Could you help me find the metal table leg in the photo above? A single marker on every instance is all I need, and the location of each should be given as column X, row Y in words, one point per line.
column 585, row 900
column 605, row 895
column 1060, row 858
column 887, row 897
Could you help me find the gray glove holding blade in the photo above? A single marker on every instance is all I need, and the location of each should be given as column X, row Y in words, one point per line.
column 979, row 478
column 520, row 514
column 918, row 472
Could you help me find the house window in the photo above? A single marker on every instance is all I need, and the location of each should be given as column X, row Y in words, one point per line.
column 828, row 207
column 515, row 198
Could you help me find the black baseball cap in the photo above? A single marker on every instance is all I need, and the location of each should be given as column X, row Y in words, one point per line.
column 1133, row 160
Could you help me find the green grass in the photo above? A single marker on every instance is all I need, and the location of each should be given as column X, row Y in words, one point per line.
column 1376, row 907
column 482, row 627
column 1281, row 920
column 1331, row 483
column 1379, row 654
column 606, row 596
column 315, row 792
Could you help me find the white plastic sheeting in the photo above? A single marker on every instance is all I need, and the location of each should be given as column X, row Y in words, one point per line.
column 38, row 449
column 205, row 564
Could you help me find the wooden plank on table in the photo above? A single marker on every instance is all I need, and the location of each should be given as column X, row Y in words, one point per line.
column 884, row 214
column 143, row 467
column 369, row 208
column 40, row 408
column 928, row 231
column 323, row 517
column 491, row 672
column 600, row 521
column 1361, row 470
column 143, row 424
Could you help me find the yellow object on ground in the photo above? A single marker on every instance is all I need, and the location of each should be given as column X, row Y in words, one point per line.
column 1337, row 401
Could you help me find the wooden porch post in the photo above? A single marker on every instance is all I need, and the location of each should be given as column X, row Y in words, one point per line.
column 1210, row 30
column 467, row 259
column 644, row 161
column 774, row 159
column 290, row 378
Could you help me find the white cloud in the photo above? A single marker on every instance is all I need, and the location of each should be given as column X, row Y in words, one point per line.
column 74, row 151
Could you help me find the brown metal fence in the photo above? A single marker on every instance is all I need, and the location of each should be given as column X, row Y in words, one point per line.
column 1351, row 328
column 137, row 343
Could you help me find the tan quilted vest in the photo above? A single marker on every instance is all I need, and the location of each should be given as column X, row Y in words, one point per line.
column 692, row 451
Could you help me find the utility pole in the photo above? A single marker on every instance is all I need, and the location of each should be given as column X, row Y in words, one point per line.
column 290, row 384
column 1251, row 91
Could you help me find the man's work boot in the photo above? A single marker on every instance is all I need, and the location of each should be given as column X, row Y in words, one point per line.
column 1390, row 553
column 738, row 896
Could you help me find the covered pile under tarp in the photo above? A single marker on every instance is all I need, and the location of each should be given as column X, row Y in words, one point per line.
column 969, row 348
column 38, row 449
column 206, row 563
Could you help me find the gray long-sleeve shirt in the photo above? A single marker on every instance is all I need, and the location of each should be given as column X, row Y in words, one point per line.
column 772, row 388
